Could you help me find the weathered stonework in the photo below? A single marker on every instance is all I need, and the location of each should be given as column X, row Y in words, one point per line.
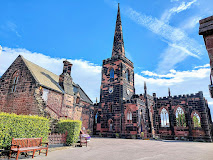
column 124, row 113
column 206, row 29
column 26, row 88
column 23, row 99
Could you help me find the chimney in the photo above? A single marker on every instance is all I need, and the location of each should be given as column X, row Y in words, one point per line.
column 65, row 79
column 67, row 67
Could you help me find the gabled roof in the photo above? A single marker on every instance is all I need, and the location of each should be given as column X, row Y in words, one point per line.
column 83, row 95
column 43, row 76
column 50, row 80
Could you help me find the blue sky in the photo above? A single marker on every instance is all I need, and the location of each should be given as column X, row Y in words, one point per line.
column 160, row 37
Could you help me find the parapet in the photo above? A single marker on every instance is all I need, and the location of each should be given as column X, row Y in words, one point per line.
column 200, row 93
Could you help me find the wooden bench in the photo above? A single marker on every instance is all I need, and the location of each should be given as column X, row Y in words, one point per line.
column 19, row 145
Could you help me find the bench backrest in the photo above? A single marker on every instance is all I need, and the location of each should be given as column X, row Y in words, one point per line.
column 26, row 142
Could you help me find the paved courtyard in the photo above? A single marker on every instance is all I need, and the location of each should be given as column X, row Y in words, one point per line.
column 129, row 149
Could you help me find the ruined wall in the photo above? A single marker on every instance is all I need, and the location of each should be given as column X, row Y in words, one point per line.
column 131, row 127
column 189, row 104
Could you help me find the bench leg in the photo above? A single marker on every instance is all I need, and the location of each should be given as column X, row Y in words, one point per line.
column 46, row 151
column 17, row 155
column 10, row 154
column 34, row 152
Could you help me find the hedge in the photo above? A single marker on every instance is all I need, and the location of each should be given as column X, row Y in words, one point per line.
column 72, row 127
column 22, row 126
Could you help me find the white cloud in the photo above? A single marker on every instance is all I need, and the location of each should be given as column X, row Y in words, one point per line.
column 204, row 66
column 182, row 7
column 179, row 44
column 191, row 23
column 180, row 82
column 173, row 36
column 11, row 27
column 84, row 73
column 0, row 49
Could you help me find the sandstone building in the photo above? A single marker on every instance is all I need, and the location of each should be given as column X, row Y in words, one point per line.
column 127, row 114
column 26, row 88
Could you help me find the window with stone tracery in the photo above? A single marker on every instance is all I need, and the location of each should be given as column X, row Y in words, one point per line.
column 180, row 118
column 127, row 76
column 110, row 126
column 164, row 118
column 112, row 73
column 110, row 108
column 15, row 81
column 129, row 116
column 196, row 120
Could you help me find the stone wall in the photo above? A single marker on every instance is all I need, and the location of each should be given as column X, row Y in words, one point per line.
column 22, row 100
column 189, row 104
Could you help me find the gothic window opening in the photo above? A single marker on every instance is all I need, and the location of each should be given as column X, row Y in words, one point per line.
column 164, row 118
column 110, row 108
column 127, row 76
column 110, row 127
column 129, row 116
column 96, row 117
column 112, row 74
column 196, row 120
column 180, row 118
column 15, row 81
column 77, row 100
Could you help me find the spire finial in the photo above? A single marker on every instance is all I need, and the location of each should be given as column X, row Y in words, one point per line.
column 118, row 44
column 145, row 88
column 169, row 92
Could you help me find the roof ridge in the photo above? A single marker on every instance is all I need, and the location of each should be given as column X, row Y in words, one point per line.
column 51, row 74
column 37, row 65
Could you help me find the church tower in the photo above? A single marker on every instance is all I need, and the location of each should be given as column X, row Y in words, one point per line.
column 117, row 84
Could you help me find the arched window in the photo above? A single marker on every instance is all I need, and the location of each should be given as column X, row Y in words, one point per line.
column 129, row 116
column 196, row 120
column 110, row 108
column 77, row 100
column 15, row 81
column 110, row 126
column 180, row 118
column 96, row 117
column 112, row 73
column 127, row 76
column 164, row 118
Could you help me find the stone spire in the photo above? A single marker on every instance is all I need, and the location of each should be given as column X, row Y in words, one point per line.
column 169, row 92
column 145, row 88
column 118, row 44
